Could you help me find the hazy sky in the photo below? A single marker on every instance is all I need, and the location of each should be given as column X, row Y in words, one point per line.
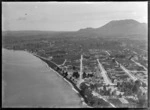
column 68, row 16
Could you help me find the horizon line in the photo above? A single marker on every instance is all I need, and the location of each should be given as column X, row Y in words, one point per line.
column 77, row 29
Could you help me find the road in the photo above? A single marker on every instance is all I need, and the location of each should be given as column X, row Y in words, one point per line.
column 81, row 72
column 139, row 64
column 134, row 78
column 143, row 72
column 128, row 72
column 63, row 62
column 143, row 50
column 107, row 53
column 141, row 79
column 106, row 79
column 99, row 96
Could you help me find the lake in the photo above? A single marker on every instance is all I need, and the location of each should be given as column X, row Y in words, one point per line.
column 28, row 82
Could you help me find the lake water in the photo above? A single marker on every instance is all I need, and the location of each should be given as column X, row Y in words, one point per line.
column 29, row 82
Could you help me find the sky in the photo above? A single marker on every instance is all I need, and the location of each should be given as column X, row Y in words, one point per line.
column 68, row 16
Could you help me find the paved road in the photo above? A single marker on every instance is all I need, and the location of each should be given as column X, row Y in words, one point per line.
column 131, row 75
column 81, row 66
column 106, row 79
column 139, row 64
column 81, row 71
column 128, row 72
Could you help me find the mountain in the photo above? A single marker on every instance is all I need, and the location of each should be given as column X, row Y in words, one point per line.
column 119, row 28
column 127, row 28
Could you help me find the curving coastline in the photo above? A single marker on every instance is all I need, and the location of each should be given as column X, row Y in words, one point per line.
column 52, row 65
column 74, row 87
column 75, row 100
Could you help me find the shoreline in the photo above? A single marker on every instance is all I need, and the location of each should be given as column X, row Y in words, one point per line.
column 73, row 86
column 52, row 65
column 77, row 91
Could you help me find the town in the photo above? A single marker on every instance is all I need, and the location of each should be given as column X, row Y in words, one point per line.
column 106, row 73
column 75, row 54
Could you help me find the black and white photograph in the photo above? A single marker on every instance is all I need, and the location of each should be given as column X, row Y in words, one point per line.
column 75, row 54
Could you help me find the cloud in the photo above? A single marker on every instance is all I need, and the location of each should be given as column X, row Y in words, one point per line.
column 22, row 18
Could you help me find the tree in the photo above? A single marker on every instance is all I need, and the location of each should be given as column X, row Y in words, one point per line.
column 136, row 86
column 118, row 84
column 104, row 88
column 91, row 101
column 90, row 75
column 65, row 74
column 120, row 95
column 83, row 86
column 73, row 67
column 112, row 94
column 142, row 99
column 76, row 74
column 84, row 75
column 138, row 83
column 140, row 68
column 112, row 80
column 93, row 86
column 109, row 91
column 88, row 92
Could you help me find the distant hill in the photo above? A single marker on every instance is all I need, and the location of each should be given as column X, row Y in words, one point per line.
column 33, row 33
column 119, row 28
column 127, row 28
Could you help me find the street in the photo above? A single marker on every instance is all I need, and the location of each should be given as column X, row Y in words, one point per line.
column 106, row 79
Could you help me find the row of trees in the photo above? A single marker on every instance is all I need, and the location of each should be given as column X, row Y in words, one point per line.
column 87, row 75
column 65, row 73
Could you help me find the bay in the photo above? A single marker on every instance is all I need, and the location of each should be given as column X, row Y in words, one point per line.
column 28, row 82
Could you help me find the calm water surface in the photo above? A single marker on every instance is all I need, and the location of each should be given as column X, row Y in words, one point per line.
column 29, row 82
